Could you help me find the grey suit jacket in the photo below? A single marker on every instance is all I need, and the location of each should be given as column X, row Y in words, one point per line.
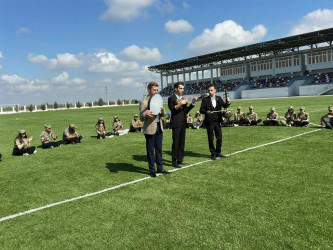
column 150, row 124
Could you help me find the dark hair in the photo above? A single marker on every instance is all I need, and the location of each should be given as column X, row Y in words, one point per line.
column 21, row 137
column 177, row 85
column 211, row 85
column 98, row 123
column 152, row 84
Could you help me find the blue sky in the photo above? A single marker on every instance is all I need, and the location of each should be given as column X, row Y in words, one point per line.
column 59, row 50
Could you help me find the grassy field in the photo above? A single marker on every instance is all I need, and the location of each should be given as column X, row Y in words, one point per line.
column 278, row 196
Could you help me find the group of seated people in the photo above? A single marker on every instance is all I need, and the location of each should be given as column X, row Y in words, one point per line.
column 22, row 143
column 271, row 82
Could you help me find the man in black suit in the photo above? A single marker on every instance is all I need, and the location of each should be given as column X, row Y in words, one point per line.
column 179, row 109
column 213, row 120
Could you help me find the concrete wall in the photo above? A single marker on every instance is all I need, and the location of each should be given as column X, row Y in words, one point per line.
column 265, row 93
column 310, row 90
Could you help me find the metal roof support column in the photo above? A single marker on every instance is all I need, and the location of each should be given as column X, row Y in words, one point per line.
column 189, row 76
column 177, row 77
column 161, row 81
column 211, row 75
column 197, row 76
column 184, row 76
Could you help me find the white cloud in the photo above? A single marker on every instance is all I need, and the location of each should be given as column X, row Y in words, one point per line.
column 23, row 30
column 62, row 61
column 107, row 62
column 1, row 56
column 179, row 26
column 64, row 79
column 316, row 20
column 165, row 6
column 186, row 6
column 225, row 35
column 14, row 83
column 134, row 53
column 125, row 10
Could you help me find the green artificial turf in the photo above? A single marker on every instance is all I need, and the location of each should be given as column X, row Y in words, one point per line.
column 277, row 196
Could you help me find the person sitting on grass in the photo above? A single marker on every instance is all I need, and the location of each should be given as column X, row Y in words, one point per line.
column 118, row 127
column 70, row 136
column 47, row 136
column 328, row 118
column 198, row 120
column 101, row 129
column 302, row 119
column 289, row 118
column 136, row 124
column 272, row 118
column 22, row 144
column 189, row 121
column 252, row 117
column 239, row 117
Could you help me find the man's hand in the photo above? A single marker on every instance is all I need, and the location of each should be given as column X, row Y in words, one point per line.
column 162, row 110
column 149, row 113
column 195, row 99
column 228, row 99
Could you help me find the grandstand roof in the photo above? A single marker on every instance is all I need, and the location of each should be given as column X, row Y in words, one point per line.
column 277, row 46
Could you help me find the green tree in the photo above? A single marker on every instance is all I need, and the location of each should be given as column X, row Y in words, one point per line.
column 55, row 105
column 30, row 107
column 42, row 107
column 78, row 104
column 100, row 101
column 68, row 105
column 89, row 104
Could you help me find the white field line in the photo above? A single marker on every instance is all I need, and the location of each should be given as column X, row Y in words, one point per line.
column 141, row 179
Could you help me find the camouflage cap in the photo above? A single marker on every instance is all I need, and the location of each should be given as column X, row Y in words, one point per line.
column 251, row 107
column 72, row 126
column 302, row 108
column 100, row 119
column 239, row 107
column 330, row 108
column 291, row 107
column 272, row 109
column 21, row 131
column 136, row 115
column 115, row 117
column 47, row 126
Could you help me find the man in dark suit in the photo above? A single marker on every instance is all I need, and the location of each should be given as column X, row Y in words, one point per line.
column 213, row 119
column 179, row 109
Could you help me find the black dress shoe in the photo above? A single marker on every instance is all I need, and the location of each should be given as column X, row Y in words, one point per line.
column 220, row 156
column 213, row 157
column 175, row 165
column 163, row 172
column 152, row 175
column 183, row 163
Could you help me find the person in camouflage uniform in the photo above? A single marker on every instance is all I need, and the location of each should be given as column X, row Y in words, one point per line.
column 101, row 129
column 22, row 144
column 118, row 127
column 70, row 136
column 198, row 120
column 47, row 138
column 136, row 124
column 167, row 121
column 302, row 119
column 252, row 117
column 239, row 117
column 328, row 118
column 272, row 118
column 189, row 121
column 289, row 117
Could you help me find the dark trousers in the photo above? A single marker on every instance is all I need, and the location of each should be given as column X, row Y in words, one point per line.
column 301, row 123
column 99, row 136
column 328, row 122
column 51, row 144
column 22, row 151
column 271, row 123
column 214, row 128
column 154, row 143
column 178, row 144
column 72, row 140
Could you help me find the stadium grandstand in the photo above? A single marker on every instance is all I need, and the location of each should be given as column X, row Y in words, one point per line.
column 300, row 65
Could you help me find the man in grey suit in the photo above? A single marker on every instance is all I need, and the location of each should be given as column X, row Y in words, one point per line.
column 153, row 131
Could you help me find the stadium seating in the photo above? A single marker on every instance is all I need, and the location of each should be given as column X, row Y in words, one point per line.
column 271, row 82
column 321, row 78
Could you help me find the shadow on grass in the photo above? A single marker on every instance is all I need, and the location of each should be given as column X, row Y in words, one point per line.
column 125, row 167
column 191, row 154
column 143, row 158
